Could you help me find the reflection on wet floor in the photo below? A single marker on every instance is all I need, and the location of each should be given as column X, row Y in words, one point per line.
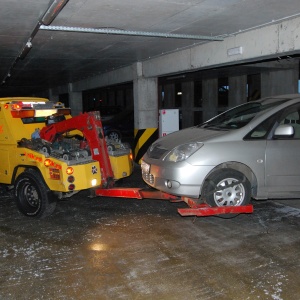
column 101, row 248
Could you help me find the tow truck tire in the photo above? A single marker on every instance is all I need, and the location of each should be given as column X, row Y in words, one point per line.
column 220, row 189
column 33, row 197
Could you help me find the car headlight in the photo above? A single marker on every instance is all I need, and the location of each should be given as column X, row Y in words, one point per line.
column 182, row 152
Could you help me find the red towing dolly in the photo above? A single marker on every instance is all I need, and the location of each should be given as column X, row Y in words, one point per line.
column 193, row 209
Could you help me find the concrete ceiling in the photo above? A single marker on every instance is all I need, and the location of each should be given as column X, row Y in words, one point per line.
column 60, row 57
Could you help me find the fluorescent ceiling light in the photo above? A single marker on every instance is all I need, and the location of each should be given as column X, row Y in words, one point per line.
column 235, row 51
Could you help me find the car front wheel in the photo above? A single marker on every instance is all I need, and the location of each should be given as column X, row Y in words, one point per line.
column 226, row 187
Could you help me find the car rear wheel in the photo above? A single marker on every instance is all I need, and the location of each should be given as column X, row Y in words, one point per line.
column 33, row 197
column 226, row 187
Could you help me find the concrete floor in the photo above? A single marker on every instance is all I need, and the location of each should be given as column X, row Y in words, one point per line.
column 130, row 249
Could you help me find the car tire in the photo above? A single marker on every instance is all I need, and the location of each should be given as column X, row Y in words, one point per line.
column 66, row 157
column 111, row 147
column 226, row 187
column 46, row 149
column 32, row 196
column 114, row 135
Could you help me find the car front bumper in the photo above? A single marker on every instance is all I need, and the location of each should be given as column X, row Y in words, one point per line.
column 181, row 179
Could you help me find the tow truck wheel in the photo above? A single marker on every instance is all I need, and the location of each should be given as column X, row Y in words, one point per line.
column 227, row 188
column 33, row 197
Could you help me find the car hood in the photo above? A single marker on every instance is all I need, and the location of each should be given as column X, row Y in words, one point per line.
column 192, row 134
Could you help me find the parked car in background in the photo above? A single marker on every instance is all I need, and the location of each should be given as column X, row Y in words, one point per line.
column 249, row 151
column 108, row 112
column 120, row 125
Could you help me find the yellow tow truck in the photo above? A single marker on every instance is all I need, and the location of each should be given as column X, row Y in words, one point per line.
column 46, row 154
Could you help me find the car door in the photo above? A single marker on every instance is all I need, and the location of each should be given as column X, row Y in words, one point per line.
column 283, row 158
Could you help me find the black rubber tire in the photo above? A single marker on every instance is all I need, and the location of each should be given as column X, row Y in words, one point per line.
column 33, row 197
column 111, row 147
column 66, row 157
column 46, row 149
column 234, row 195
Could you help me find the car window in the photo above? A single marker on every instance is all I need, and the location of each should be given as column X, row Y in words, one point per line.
column 292, row 117
column 289, row 116
column 262, row 130
column 239, row 116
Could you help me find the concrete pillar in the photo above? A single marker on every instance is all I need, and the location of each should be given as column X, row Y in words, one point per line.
column 103, row 96
column 111, row 97
column 187, row 109
column 145, row 111
column 169, row 96
column 237, row 90
column 254, row 87
column 210, row 98
column 120, row 97
column 129, row 97
column 52, row 96
column 160, row 95
column 145, row 100
column 75, row 101
column 280, row 81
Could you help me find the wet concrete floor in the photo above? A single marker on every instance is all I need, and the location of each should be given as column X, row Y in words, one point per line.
column 108, row 248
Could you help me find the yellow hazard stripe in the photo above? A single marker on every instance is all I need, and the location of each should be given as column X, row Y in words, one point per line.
column 143, row 138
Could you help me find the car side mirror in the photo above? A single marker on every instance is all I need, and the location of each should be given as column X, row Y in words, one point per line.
column 284, row 131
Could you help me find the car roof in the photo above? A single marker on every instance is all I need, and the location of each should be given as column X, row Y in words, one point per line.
column 278, row 98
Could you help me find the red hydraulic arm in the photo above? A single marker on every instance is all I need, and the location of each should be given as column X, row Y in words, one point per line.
column 91, row 126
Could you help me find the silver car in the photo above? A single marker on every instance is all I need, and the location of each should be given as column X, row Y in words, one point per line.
column 249, row 151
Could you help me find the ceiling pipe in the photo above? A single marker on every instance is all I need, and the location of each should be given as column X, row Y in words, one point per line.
column 53, row 10
column 51, row 13
column 25, row 50
column 130, row 33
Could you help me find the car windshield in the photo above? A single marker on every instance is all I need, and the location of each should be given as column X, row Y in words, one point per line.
column 239, row 116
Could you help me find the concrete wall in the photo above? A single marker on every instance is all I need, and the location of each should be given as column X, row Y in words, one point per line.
column 262, row 43
column 257, row 44
column 271, row 41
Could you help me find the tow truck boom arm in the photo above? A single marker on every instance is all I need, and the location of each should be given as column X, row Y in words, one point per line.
column 91, row 126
